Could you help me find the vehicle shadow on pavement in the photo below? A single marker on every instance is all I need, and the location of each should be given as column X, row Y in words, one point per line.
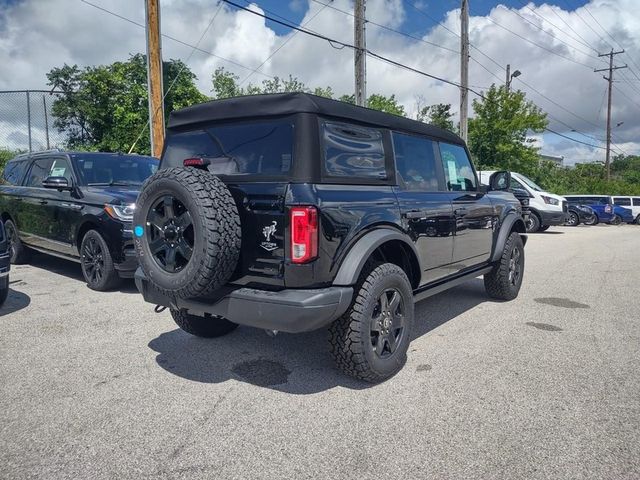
column 298, row 364
column 14, row 302
column 71, row 269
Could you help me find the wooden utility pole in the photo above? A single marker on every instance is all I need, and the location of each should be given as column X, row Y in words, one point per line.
column 154, row 76
column 611, row 68
column 508, row 83
column 360, row 53
column 464, row 68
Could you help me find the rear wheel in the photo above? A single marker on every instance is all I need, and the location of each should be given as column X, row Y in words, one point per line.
column 19, row 253
column 206, row 327
column 505, row 280
column 97, row 264
column 573, row 220
column 533, row 223
column 370, row 340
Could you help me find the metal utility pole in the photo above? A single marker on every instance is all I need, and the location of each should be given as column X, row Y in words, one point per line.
column 511, row 76
column 611, row 68
column 464, row 68
column 154, row 76
column 46, row 120
column 360, row 53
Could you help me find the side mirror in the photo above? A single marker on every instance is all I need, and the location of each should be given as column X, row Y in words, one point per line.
column 59, row 183
column 500, row 181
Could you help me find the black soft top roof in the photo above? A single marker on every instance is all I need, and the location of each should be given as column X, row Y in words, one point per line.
column 256, row 106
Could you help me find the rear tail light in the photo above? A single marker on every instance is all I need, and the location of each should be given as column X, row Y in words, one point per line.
column 608, row 208
column 304, row 234
column 195, row 162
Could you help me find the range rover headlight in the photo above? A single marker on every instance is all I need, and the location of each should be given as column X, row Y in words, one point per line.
column 124, row 213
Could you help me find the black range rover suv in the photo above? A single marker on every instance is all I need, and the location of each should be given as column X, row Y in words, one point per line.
column 291, row 212
column 77, row 206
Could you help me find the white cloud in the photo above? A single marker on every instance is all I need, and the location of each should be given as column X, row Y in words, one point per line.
column 36, row 35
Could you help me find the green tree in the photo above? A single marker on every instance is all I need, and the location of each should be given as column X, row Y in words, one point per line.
column 498, row 134
column 105, row 107
column 6, row 155
column 385, row 104
column 439, row 115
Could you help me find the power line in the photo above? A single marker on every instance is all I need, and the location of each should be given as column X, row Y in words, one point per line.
column 169, row 37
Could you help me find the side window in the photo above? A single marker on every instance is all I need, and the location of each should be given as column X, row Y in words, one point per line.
column 353, row 151
column 60, row 168
column 625, row 202
column 13, row 173
column 636, row 202
column 458, row 171
column 39, row 171
column 415, row 162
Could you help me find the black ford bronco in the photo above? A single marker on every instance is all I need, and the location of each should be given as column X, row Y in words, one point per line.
column 292, row 212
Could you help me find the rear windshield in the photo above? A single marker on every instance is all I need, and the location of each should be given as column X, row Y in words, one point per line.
column 261, row 148
column 114, row 169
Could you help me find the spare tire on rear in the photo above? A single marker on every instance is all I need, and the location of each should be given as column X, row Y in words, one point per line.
column 187, row 232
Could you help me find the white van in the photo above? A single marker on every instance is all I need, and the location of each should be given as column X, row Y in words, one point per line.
column 632, row 203
column 547, row 209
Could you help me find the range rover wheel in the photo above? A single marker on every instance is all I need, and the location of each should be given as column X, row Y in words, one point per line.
column 206, row 327
column 371, row 339
column 505, row 280
column 533, row 224
column 97, row 264
column 573, row 220
column 187, row 232
column 19, row 253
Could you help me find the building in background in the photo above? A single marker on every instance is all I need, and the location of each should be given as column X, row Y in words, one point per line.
column 558, row 160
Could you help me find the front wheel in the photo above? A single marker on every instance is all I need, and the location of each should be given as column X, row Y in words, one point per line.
column 533, row 224
column 97, row 264
column 206, row 327
column 617, row 220
column 573, row 220
column 505, row 280
column 592, row 221
column 370, row 341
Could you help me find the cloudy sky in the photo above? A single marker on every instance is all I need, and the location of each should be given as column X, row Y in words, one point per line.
column 555, row 45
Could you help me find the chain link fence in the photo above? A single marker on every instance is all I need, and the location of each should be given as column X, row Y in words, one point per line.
column 27, row 123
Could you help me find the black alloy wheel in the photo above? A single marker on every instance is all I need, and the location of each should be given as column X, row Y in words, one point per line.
column 388, row 323
column 17, row 251
column 170, row 233
column 573, row 219
column 515, row 266
column 93, row 261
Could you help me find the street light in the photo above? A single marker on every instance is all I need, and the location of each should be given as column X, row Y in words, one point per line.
column 511, row 76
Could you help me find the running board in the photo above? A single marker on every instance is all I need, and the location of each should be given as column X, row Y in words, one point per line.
column 434, row 289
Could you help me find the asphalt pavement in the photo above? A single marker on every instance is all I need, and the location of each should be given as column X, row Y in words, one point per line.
column 98, row 386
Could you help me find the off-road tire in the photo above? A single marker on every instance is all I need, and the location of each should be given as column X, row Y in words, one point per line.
column 205, row 327
column 350, row 335
column 497, row 283
column 108, row 279
column 533, row 225
column 19, row 252
column 216, row 231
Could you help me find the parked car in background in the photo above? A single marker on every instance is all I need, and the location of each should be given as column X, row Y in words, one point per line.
column 545, row 209
column 580, row 214
column 77, row 206
column 5, row 265
column 622, row 214
column 633, row 203
column 600, row 204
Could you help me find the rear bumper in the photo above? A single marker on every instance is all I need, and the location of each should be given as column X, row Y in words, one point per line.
column 292, row 310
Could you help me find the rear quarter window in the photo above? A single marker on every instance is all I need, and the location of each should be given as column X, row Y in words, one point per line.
column 353, row 151
column 14, row 172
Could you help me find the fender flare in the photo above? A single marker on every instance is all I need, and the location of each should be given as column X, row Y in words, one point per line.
column 357, row 256
column 505, row 229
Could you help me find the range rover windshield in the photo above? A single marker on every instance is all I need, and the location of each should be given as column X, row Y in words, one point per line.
column 260, row 148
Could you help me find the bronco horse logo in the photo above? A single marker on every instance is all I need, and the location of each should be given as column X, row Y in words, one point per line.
column 270, row 230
